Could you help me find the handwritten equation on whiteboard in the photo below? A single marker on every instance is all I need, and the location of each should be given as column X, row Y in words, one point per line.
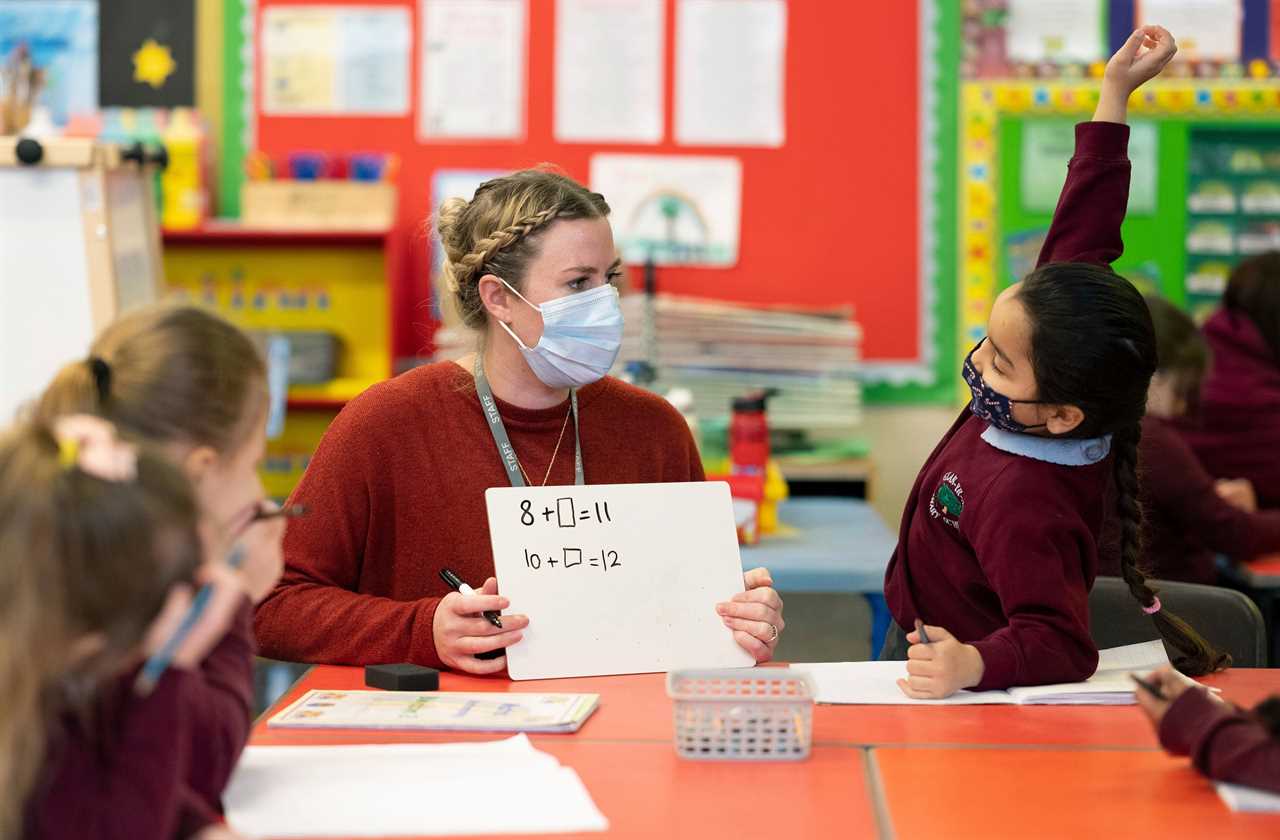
column 569, row 513
column 643, row 566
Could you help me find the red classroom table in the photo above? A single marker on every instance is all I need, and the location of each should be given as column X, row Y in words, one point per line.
column 1048, row 793
column 1001, row 763
column 636, row 708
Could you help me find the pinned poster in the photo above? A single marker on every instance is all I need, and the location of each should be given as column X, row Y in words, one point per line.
column 675, row 210
column 1047, row 145
column 473, row 70
column 609, row 71
column 147, row 53
column 1207, row 30
column 1055, row 31
column 730, row 72
column 60, row 38
column 334, row 60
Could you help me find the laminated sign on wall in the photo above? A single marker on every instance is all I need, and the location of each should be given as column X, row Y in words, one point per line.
column 674, row 210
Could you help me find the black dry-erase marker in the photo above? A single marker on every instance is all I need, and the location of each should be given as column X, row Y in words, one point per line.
column 456, row 582
column 289, row 512
column 1149, row 687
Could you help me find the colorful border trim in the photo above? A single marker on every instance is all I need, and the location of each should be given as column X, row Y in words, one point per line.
column 983, row 104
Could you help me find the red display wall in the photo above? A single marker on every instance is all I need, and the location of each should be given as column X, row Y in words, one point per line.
column 828, row 218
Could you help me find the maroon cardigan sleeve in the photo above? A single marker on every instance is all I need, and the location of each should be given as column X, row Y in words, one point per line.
column 1034, row 548
column 222, row 710
column 1224, row 742
column 130, row 782
column 1086, row 223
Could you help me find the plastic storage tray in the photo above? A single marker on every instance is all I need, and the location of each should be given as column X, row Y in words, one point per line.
column 752, row 714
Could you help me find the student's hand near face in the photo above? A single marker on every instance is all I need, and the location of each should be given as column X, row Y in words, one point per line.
column 259, row 540
column 940, row 668
column 755, row 616
column 1141, row 59
column 1171, row 685
column 461, row 631
column 214, row 621
column 1237, row 492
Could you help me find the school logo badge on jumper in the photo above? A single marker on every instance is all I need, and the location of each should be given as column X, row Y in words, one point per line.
column 947, row 502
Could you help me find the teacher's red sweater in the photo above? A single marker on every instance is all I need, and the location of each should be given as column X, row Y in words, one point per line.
column 396, row 492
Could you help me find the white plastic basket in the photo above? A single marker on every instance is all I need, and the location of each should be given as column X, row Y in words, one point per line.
column 750, row 714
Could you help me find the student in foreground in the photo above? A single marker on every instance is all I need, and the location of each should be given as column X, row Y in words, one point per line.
column 99, row 557
column 1190, row 517
column 396, row 488
column 1225, row 742
column 193, row 387
column 998, row 547
column 1237, row 432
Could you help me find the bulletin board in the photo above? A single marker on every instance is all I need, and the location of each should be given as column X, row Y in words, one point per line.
column 833, row 217
column 1206, row 125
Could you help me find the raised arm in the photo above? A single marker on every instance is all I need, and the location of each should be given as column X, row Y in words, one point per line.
column 1086, row 223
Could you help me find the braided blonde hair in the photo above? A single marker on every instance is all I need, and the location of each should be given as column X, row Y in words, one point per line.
column 497, row 231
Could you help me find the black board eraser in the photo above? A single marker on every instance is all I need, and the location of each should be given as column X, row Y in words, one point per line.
column 402, row 677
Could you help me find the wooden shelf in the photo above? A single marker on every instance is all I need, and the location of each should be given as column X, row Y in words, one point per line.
column 331, row 396
column 230, row 233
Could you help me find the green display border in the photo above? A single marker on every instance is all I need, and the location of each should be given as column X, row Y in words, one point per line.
column 940, row 135
column 237, row 102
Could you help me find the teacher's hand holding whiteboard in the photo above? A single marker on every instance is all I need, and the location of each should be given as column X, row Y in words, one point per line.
column 617, row 578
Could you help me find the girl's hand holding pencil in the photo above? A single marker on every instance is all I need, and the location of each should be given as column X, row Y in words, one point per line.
column 189, row 625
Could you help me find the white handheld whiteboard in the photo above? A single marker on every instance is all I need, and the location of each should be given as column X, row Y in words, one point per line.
column 617, row 578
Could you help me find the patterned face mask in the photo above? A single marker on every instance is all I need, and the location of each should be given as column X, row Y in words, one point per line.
column 989, row 404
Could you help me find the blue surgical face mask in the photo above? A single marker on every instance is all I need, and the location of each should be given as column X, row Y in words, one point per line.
column 989, row 404
column 581, row 336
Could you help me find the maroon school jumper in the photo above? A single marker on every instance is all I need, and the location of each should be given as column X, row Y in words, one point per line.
column 395, row 492
column 123, row 775
column 1001, row 549
column 1225, row 743
column 1237, row 431
column 174, row 750
column 1187, row 522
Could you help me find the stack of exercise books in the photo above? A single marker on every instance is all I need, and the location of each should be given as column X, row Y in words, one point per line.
column 719, row 351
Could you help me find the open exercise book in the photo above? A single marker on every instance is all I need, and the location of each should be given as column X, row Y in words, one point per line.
column 876, row 683
column 1249, row 800
column 441, row 710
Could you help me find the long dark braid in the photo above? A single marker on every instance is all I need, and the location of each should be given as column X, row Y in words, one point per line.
column 1093, row 346
column 1194, row 656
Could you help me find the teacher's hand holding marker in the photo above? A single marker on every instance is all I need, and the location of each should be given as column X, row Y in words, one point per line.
column 462, row 631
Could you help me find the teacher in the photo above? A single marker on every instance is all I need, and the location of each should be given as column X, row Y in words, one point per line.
column 395, row 490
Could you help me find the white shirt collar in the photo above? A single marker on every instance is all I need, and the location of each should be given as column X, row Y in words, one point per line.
column 1069, row 452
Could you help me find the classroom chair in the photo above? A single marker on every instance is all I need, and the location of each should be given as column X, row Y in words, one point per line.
column 1227, row 618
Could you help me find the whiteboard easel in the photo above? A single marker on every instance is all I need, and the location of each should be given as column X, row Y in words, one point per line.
column 79, row 245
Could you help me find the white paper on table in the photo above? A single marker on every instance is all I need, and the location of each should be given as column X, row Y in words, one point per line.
column 407, row 789
column 336, row 60
column 730, row 72
column 1204, row 29
column 875, row 683
column 609, row 70
column 677, row 210
column 473, row 70
column 1055, row 30
column 1248, row 800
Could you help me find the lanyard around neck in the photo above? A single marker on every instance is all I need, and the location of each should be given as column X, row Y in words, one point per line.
column 489, row 407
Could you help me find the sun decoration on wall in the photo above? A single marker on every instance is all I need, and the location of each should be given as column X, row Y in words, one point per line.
column 153, row 64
